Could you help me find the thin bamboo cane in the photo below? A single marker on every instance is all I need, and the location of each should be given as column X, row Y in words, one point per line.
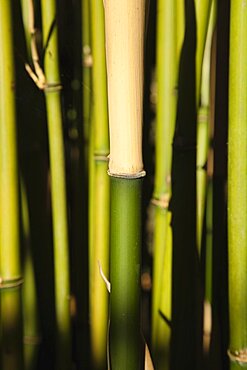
column 167, row 68
column 10, row 270
column 124, row 51
column 52, row 90
column 237, row 184
column 203, row 126
column 202, row 18
column 180, row 25
column 205, row 14
column 99, row 191
column 30, row 310
column 86, row 74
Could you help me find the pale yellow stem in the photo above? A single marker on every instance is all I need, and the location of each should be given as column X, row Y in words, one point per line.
column 124, row 23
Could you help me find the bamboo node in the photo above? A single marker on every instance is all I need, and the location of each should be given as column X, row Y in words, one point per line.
column 203, row 115
column 87, row 56
column 11, row 283
column 128, row 176
column 238, row 356
column 101, row 157
column 37, row 75
column 162, row 202
column 52, row 87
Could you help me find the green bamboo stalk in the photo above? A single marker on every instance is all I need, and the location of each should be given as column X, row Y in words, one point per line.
column 10, row 269
column 209, row 205
column 99, row 192
column 28, row 12
column 30, row 310
column 237, row 183
column 86, row 74
column 180, row 25
column 124, row 51
column 167, row 67
column 52, row 90
column 203, row 126
column 209, row 242
column 203, row 8
column 125, row 345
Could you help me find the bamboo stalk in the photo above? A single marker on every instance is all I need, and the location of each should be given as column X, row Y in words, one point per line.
column 30, row 310
column 125, row 58
column 86, row 74
column 237, row 184
column 202, row 18
column 209, row 203
column 125, row 332
column 52, row 90
column 99, row 207
column 10, row 270
column 167, row 68
column 124, row 52
column 203, row 119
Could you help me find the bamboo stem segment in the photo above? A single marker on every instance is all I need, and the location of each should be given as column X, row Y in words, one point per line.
column 124, row 24
column 58, row 185
column 125, row 332
column 124, row 21
column 10, row 271
column 99, row 190
column 167, row 71
column 237, row 183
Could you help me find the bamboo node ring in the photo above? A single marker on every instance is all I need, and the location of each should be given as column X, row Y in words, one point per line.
column 238, row 356
column 11, row 283
column 162, row 202
column 87, row 56
column 52, row 87
column 101, row 157
column 128, row 176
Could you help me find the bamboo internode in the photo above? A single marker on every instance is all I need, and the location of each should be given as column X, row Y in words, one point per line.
column 237, row 180
column 124, row 21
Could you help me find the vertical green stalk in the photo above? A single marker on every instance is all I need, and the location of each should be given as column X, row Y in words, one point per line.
column 203, row 120
column 86, row 74
column 30, row 310
column 99, row 190
column 202, row 19
column 180, row 25
column 10, row 271
column 124, row 50
column 237, row 183
column 205, row 13
column 166, row 115
column 125, row 258
column 58, row 184
column 209, row 241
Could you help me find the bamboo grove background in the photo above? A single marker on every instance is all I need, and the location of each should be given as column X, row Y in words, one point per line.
column 170, row 235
